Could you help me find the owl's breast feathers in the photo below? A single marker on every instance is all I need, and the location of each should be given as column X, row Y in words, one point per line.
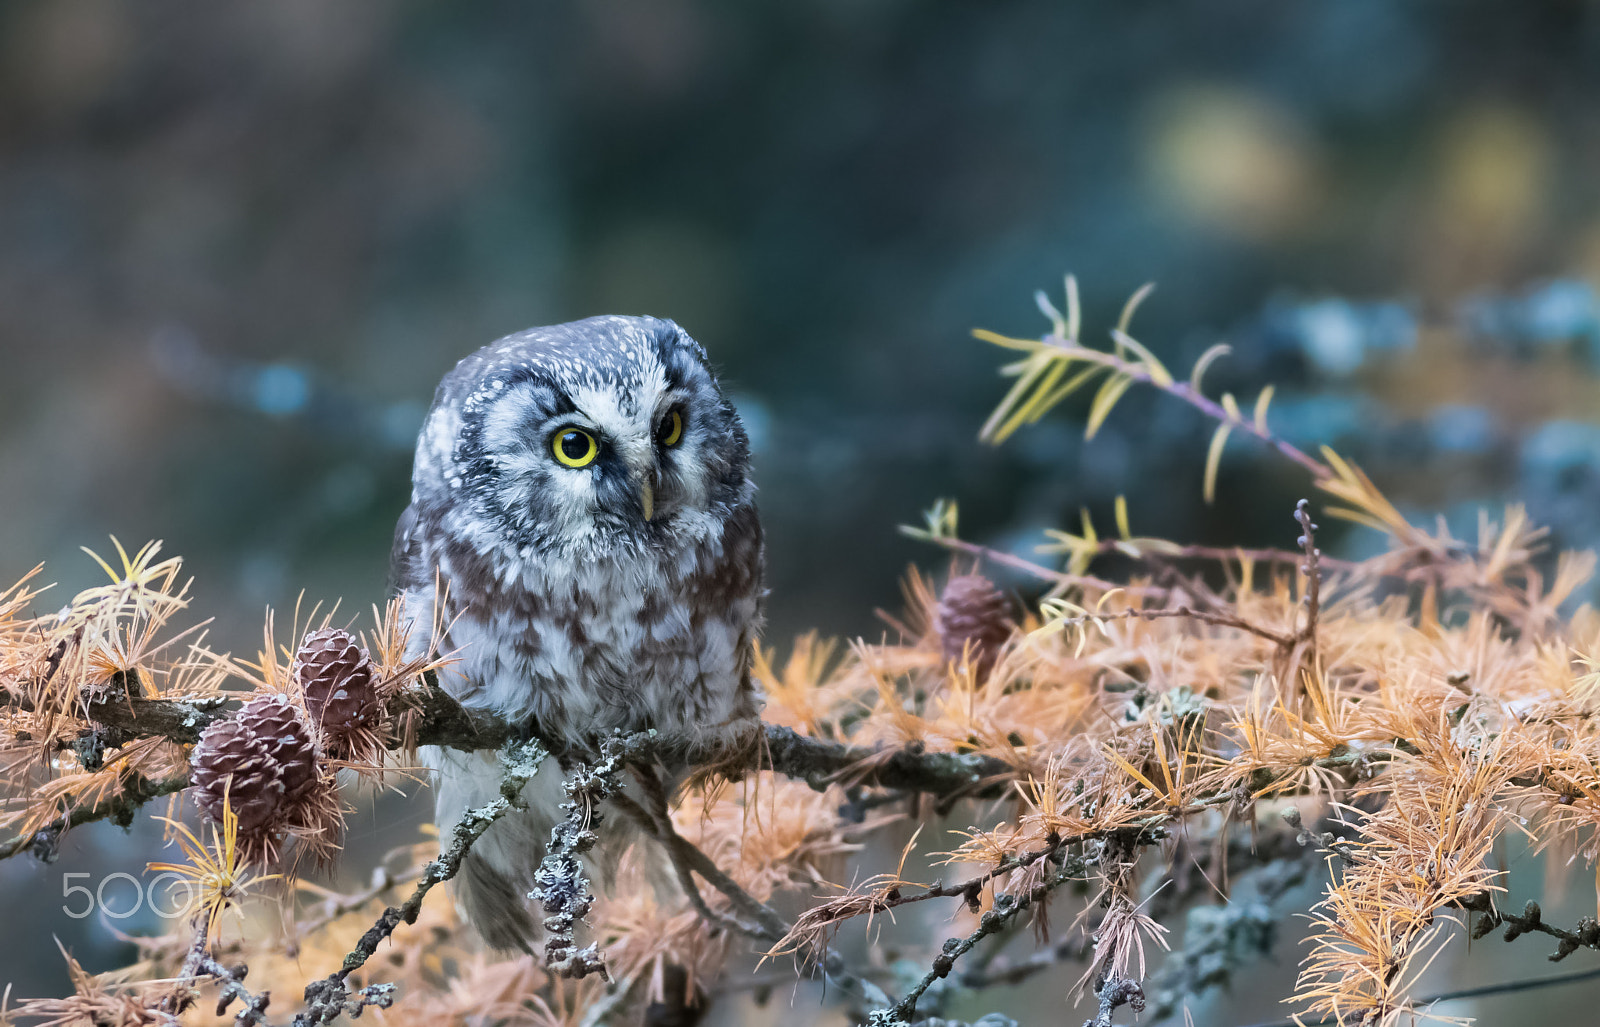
column 574, row 645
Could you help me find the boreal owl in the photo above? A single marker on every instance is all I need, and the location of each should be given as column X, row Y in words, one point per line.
column 582, row 495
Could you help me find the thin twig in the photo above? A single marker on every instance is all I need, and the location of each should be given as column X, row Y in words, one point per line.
column 1221, row 620
column 761, row 921
column 1036, row 570
column 1182, row 390
column 768, row 922
column 1115, row 991
column 252, row 1006
column 1532, row 920
column 1146, row 831
column 653, row 825
column 1121, row 547
column 119, row 809
column 335, row 906
column 658, row 820
column 199, row 963
column 971, row 889
column 1218, row 554
column 1006, row 908
column 1479, row 991
column 1311, row 568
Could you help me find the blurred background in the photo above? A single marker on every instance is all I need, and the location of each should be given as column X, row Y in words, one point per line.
column 239, row 244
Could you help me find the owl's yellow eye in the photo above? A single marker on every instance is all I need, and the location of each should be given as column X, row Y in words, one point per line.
column 574, row 447
column 671, row 430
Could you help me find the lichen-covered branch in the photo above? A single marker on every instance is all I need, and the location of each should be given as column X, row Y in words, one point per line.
column 328, row 998
column 231, row 988
column 910, row 769
column 1006, row 908
column 1115, row 991
column 432, row 717
column 200, row 964
column 1531, row 920
column 559, row 883
column 119, row 809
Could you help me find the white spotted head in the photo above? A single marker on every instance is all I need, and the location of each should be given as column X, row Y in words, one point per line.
column 582, row 436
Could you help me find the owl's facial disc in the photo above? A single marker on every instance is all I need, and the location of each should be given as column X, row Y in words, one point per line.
column 601, row 447
column 611, row 466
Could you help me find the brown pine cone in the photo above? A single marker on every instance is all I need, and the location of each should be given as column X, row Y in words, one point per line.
column 973, row 617
column 266, row 752
column 338, row 683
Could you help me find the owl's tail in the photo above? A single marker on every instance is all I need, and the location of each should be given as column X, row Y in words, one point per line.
column 495, row 878
column 498, row 872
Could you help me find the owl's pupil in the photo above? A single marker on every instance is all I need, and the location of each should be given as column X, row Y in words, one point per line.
column 671, row 430
column 574, row 446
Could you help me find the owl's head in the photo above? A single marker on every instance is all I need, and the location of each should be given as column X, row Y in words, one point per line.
column 583, row 435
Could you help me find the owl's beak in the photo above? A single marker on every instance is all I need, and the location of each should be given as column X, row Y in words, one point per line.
column 645, row 477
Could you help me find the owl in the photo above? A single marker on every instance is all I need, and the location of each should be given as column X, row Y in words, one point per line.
column 582, row 494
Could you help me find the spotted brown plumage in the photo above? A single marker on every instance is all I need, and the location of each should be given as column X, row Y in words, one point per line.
column 583, row 589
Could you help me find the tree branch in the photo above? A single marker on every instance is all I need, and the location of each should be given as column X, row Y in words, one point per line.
column 1532, row 920
column 119, row 809
column 230, row 981
column 428, row 715
column 327, row 998
column 1006, row 908
column 1479, row 991
column 910, row 769
column 761, row 920
column 559, row 883
column 1221, row 620
column 1017, row 563
column 1312, row 570
column 1120, row 547
column 661, row 830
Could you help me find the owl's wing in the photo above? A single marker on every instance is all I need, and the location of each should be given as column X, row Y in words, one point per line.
column 403, row 555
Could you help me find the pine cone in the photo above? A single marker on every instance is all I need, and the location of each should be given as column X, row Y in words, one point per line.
column 266, row 752
column 337, row 680
column 973, row 617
